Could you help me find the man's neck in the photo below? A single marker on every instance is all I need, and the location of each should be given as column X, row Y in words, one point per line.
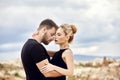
column 37, row 39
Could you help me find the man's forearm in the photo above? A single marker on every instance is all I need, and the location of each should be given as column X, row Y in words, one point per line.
column 53, row 74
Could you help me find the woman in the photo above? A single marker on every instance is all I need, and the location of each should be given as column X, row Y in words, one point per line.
column 62, row 61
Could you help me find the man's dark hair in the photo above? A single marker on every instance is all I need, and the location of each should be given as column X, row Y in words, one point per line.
column 48, row 23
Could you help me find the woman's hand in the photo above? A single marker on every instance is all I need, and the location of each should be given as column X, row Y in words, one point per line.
column 47, row 68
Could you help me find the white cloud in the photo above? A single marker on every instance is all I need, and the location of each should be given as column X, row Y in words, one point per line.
column 99, row 49
column 10, row 46
column 85, row 50
column 97, row 22
column 111, row 49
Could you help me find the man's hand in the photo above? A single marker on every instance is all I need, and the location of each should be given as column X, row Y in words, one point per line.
column 47, row 68
column 49, row 73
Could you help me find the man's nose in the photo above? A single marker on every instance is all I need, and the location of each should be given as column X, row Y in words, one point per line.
column 53, row 37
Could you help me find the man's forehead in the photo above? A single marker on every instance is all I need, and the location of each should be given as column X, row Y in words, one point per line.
column 52, row 30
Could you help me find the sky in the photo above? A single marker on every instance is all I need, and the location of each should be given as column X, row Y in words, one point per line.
column 97, row 22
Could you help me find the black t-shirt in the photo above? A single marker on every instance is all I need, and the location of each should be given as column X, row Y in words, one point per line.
column 32, row 53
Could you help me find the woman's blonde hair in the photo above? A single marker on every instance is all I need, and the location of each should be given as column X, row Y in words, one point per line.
column 69, row 30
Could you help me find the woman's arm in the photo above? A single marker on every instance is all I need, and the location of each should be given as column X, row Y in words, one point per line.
column 68, row 57
column 51, row 53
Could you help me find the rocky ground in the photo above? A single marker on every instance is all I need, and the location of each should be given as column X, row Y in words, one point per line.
column 98, row 69
column 11, row 70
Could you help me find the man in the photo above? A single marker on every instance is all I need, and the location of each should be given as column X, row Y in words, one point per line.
column 34, row 56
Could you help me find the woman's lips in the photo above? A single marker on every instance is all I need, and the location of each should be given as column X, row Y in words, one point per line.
column 55, row 40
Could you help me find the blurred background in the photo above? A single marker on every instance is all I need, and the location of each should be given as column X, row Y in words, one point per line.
column 97, row 21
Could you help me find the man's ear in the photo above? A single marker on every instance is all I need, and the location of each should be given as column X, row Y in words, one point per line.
column 44, row 30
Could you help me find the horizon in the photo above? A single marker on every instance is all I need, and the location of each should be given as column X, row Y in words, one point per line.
column 81, row 57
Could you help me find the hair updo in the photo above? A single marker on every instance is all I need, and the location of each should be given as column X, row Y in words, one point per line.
column 69, row 30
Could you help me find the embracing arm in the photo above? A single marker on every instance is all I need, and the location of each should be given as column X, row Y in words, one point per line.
column 70, row 64
column 68, row 57
column 50, row 73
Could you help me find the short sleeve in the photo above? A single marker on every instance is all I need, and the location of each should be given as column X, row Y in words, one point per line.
column 38, row 53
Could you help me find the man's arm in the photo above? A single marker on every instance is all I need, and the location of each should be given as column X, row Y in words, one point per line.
column 68, row 58
column 48, row 74
column 51, row 53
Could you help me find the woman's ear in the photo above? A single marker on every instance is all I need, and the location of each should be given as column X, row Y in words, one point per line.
column 67, row 37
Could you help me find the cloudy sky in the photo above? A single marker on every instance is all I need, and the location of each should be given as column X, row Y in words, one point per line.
column 97, row 21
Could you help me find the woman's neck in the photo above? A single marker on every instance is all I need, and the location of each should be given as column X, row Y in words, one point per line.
column 64, row 46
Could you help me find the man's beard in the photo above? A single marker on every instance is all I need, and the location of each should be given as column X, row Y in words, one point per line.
column 44, row 40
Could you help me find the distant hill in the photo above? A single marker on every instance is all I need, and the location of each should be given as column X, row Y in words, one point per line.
column 89, row 57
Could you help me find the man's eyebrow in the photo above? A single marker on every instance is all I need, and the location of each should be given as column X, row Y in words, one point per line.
column 53, row 34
